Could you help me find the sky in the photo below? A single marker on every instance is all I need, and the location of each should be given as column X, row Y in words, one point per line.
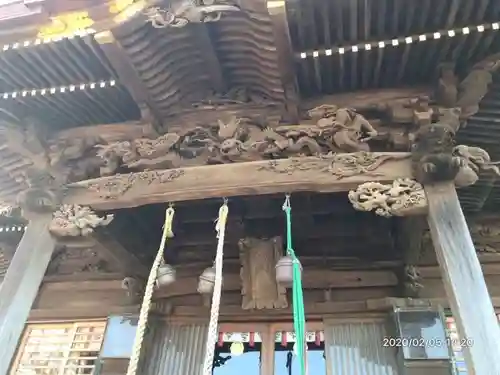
column 248, row 364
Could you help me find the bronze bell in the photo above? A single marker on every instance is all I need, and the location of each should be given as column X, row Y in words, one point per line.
column 165, row 275
column 206, row 282
column 284, row 271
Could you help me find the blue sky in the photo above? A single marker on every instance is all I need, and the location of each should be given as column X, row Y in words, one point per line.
column 248, row 364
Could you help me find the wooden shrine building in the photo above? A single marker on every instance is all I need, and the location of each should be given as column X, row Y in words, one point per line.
column 127, row 125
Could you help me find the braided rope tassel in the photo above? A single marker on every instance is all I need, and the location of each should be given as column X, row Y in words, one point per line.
column 213, row 333
column 148, row 294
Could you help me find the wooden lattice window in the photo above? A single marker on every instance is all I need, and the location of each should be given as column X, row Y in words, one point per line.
column 59, row 349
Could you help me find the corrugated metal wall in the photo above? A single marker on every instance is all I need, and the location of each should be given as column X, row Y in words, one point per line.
column 174, row 349
column 356, row 349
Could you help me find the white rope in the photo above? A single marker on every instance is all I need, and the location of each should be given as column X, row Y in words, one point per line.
column 213, row 333
column 148, row 294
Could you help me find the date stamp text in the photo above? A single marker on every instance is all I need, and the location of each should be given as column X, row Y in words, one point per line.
column 399, row 342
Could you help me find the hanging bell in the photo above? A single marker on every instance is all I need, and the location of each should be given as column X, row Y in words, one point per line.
column 165, row 275
column 207, row 281
column 284, row 271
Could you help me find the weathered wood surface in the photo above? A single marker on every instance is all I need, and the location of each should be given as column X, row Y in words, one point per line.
column 226, row 180
column 259, row 288
column 20, row 286
column 368, row 98
column 85, row 299
column 463, row 279
column 127, row 75
column 126, row 261
column 234, row 313
column 278, row 14
column 313, row 279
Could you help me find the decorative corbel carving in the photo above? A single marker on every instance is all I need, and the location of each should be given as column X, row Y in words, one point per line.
column 475, row 161
column 432, row 154
column 463, row 165
column 258, row 275
column 435, row 158
column 401, row 198
column 182, row 12
column 72, row 220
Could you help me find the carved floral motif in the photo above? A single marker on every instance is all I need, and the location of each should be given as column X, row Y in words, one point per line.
column 402, row 197
column 72, row 220
column 338, row 165
column 182, row 12
column 119, row 184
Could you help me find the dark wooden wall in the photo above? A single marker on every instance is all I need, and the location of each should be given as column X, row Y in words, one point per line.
column 325, row 293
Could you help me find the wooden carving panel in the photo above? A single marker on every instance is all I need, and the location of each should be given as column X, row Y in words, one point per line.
column 258, row 275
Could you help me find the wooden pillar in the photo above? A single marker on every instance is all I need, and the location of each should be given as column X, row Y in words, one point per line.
column 463, row 280
column 21, row 283
column 438, row 165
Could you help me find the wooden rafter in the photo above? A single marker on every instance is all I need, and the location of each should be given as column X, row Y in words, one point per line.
column 129, row 77
column 204, row 43
column 278, row 14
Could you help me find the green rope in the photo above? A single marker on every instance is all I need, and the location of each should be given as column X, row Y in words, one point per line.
column 299, row 319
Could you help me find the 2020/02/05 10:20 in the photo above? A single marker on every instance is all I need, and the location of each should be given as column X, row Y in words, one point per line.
column 395, row 342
